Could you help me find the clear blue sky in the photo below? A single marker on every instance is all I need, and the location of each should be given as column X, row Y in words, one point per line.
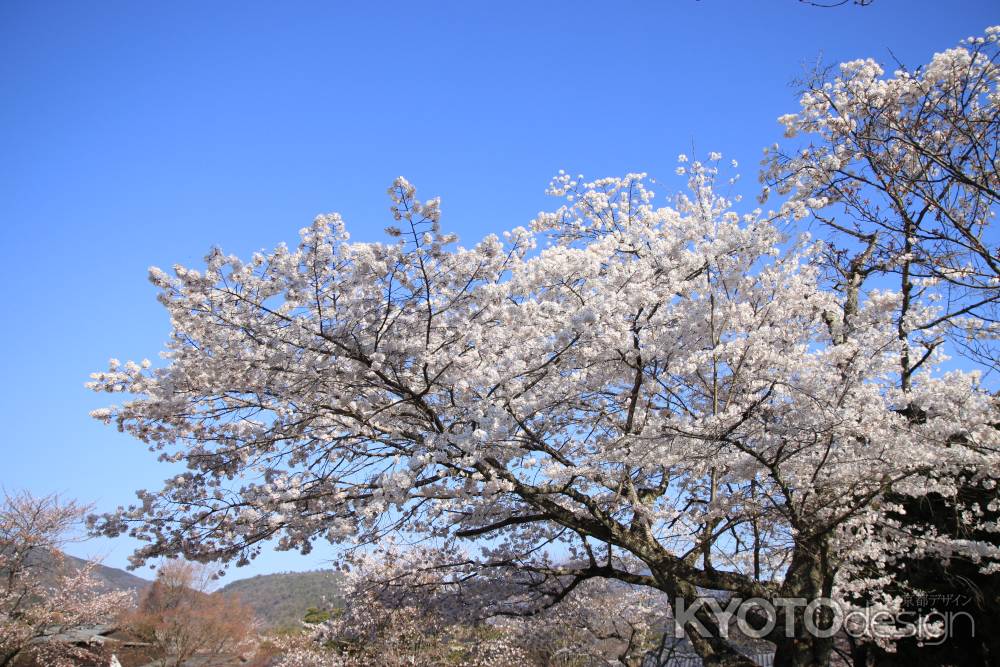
column 136, row 134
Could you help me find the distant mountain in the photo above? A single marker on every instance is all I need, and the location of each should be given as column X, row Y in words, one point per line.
column 112, row 578
column 50, row 566
column 281, row 600
column 278, row 600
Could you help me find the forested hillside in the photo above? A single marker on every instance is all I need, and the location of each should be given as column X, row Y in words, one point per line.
column 282, row 599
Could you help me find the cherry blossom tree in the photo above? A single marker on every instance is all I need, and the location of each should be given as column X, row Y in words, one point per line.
column 900, row 170
column 657, row 397
column 39, row 591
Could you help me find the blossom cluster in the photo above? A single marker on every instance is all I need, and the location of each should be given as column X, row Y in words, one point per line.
column 677, row 396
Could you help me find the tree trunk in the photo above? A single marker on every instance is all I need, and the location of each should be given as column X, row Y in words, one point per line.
column 714, row 650
column 809, row 577
column 8, row 658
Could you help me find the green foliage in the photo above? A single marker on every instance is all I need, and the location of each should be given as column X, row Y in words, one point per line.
column 314, row 615
column 281, row 600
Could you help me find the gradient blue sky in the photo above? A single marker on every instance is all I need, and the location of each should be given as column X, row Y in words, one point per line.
column 136, row 134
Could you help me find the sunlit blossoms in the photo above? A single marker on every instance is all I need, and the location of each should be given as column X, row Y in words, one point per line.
column 901, row 168
column 673, row 397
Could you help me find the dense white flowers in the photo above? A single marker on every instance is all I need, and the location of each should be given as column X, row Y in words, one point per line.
column 663, row 381
column 901, row 169
column 670, row 394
